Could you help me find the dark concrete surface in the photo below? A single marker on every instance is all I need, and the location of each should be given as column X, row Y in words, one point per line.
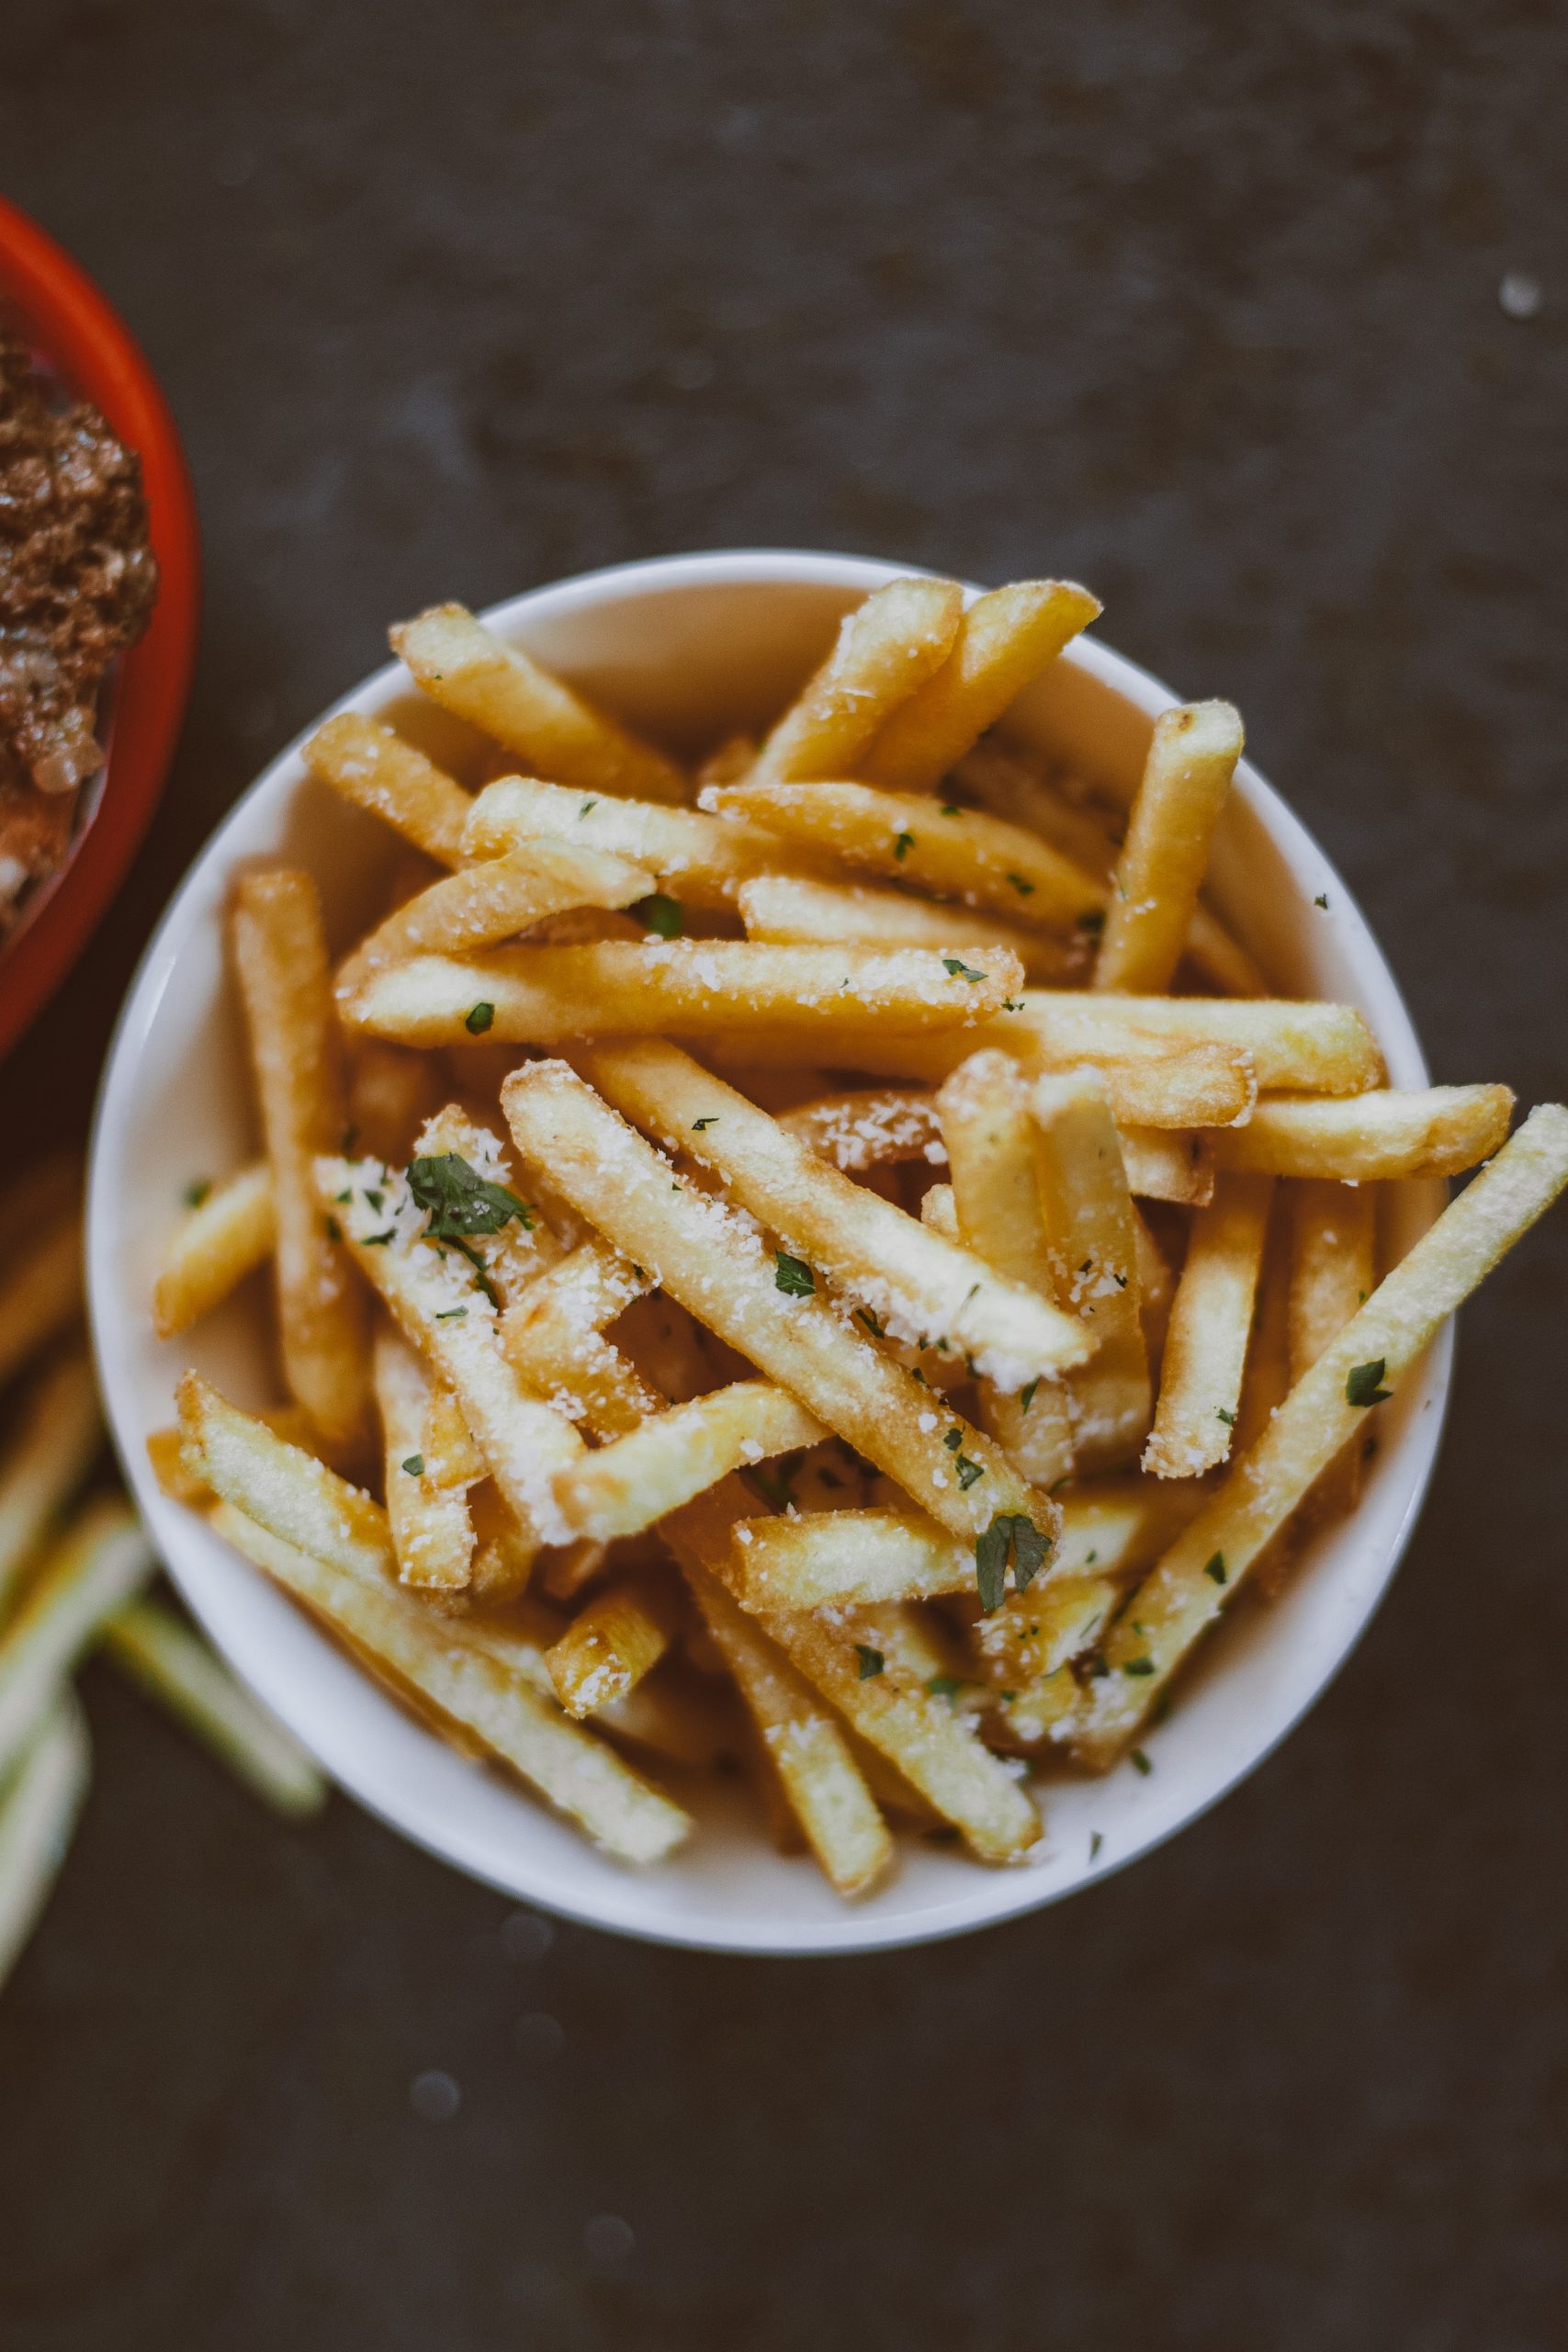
column 1200, row 303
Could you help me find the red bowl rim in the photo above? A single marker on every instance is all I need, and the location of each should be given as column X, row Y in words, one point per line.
column 93, row 349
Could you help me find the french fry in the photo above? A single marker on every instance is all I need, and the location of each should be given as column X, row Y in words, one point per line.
column 432, row 1532
column 451, row 1458
column 610, row 1645
column 470, row 1680
column 626, row 1485
column 370, row 765
column 151, row 1646
column 1373, row 1353
column 830, row 1558
column 467, row 670
column 790, row 909
column 495, row 900
column 281, row 958
column 714, row 1263
column 991, row 1146
column 1023, row 1652
column 1333, row 1269
column 1010, row 785
column 549, row 996
column 1438, row 1131
column 41, row 1289
column 913, row 1284
column 391, row 1092
column 38, row 1811
column 1319, row 1048
column 1185, row 779
column 702, row 861
column 226, row 1237
column 938, row 1213
column 1089, row 1215
column 729, row 761
column 877, row 1128
column 554, row 1338
column 1157, row 1291
column 955, row 853
column 1211, row 1324
column 936, row 1753
column 54, row 1446
column 1004, row 639
column 884, row 650
column 279, row 1483
column 1163, row 1165
column 102, row 1558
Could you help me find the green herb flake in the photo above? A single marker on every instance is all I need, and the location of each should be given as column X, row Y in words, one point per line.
column 793, row 1275
column 864, row 1315
column 477, row 1019
column 375, row 1197
column 870, row 1661
column 1026, row 1394
column 334, row 1231
column 902, row 845
column 700, row 1127
column 944, row 1686
column 959, row 969
column 1095, row 1843
column 953, row 1440
column 1141, row 1763
column 1025, row 889
column 1012, row 1004
column 1322, row 901
column 969, row 1472
column 1215, row 1569
column 951, row 809
column 377, row 1240
column 1139, row 1666
column 585, row 808
column 1009, row 1534
column 414, row 1466
column 457, row 1200
column 1228, row 1419
column 664, row 916
column 1363, row 1386
column 196, row 1191
column 453, row 1314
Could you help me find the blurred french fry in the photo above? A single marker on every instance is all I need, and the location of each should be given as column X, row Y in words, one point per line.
column 729, row 761
column 451, row 1458
column 702, row 860
column 152, row 1645
column 281, row 956
column 1332, row 1271
column 391, row 1091
column 1089, row 1215
column 877, row 1127
column 623, row 1486
column 549, row 996
column 1317, row 1047
column 467, row 670
column 50, row 1450
column 1164, row 1165
column 885, row 651
column 1185, row 783
column 226, row 1237
column 42, row 1287
column 495, row 901
column 370, row 765
column 100, row 1560
column 789, row 909
column 432, row 1532
column 992, row 1146
column 1157, row 1291
column 1211, row 1324
column 1191, row 1586
column 714, row 1262
column 612, row 1644
column 291, row 1493
column 1438, row 1131
column 1004, row 639
column 912, row 1282
column 39, row 1805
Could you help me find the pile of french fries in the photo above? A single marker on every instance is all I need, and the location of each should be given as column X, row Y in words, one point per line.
column 74, row 1574
column 836, row 1260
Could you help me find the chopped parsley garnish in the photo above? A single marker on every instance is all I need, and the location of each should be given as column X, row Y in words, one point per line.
column 959, row 970
column 453, row 1314
column 953, row 1440
column 1009, row 1534
column 477, row 1019
column 902, row 845
column 414, row 1466
column 346, row 1194
column 1090, row 1557
column 969, row 1472
column 196, row 1191
column 1095, row 1843
column 793, row 1275
column 864, row 1315
column 1322, row 899
column 944, row 1686
column 1012, row 1004
column 375, row 1195
column 585, row 808
column 700, row 1126
column 1141, row 1763
column 334, row 1231
column 378, row 1241
column 1025, row 889
column 350, row 1139
column 1363, row 1386
column 657, row 913
column 459, row 1200
column 1026, row 1394
column 1228, row 1419
column 951, row 809
column 481, row 1272
column 870, row 1661
column 1139, row 1666
column 1215, row 1569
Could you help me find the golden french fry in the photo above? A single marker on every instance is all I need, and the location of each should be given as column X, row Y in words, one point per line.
column 1023, row 1651
column 37, row 1813
column 226, row 1237
column 829, row 1558
column 610, row 1645
column 432, row 1533
column 702, row 860
column 1220, row 961
column 370, row 765
column 673, row 1455
column 451, row 1458
column 1191, row 1586
column 1211, row 1324
column 874, row 1128
column 1157, row 1291
column 1163, row 1165
column 956, row 852
column 1185, row 778
column 714, row 1263
column 991, row 1146
column 939, row 1212
column 102, row 1558
column 790, row 909
column 1436, row 1131
column 1010, row 785
column 884, row 650
column 154, row 1649
column 391, row 1091
column 495, row 901
column 554, row 1336
column 54, row 1443
column 467, row 670
column 1319, row 1048
column 550, row 996
column 1004, row 639
column 281, row 956
column 468, row 1678
column 1333, row 1269
column 42, row 1287
column 1093, row 1228
column 913, row 1284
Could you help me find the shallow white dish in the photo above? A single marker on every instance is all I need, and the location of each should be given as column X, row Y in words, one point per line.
column 687, row 648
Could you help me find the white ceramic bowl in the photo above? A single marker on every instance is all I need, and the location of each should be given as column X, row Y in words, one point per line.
column 686, row 649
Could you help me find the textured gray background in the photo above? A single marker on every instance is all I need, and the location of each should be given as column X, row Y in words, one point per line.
column 1199, row 301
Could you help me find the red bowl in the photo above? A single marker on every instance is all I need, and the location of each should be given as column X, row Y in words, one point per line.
column 60, row 308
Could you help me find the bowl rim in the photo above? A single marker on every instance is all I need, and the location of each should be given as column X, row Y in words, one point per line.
column 997, row 1896
column 80, row 330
